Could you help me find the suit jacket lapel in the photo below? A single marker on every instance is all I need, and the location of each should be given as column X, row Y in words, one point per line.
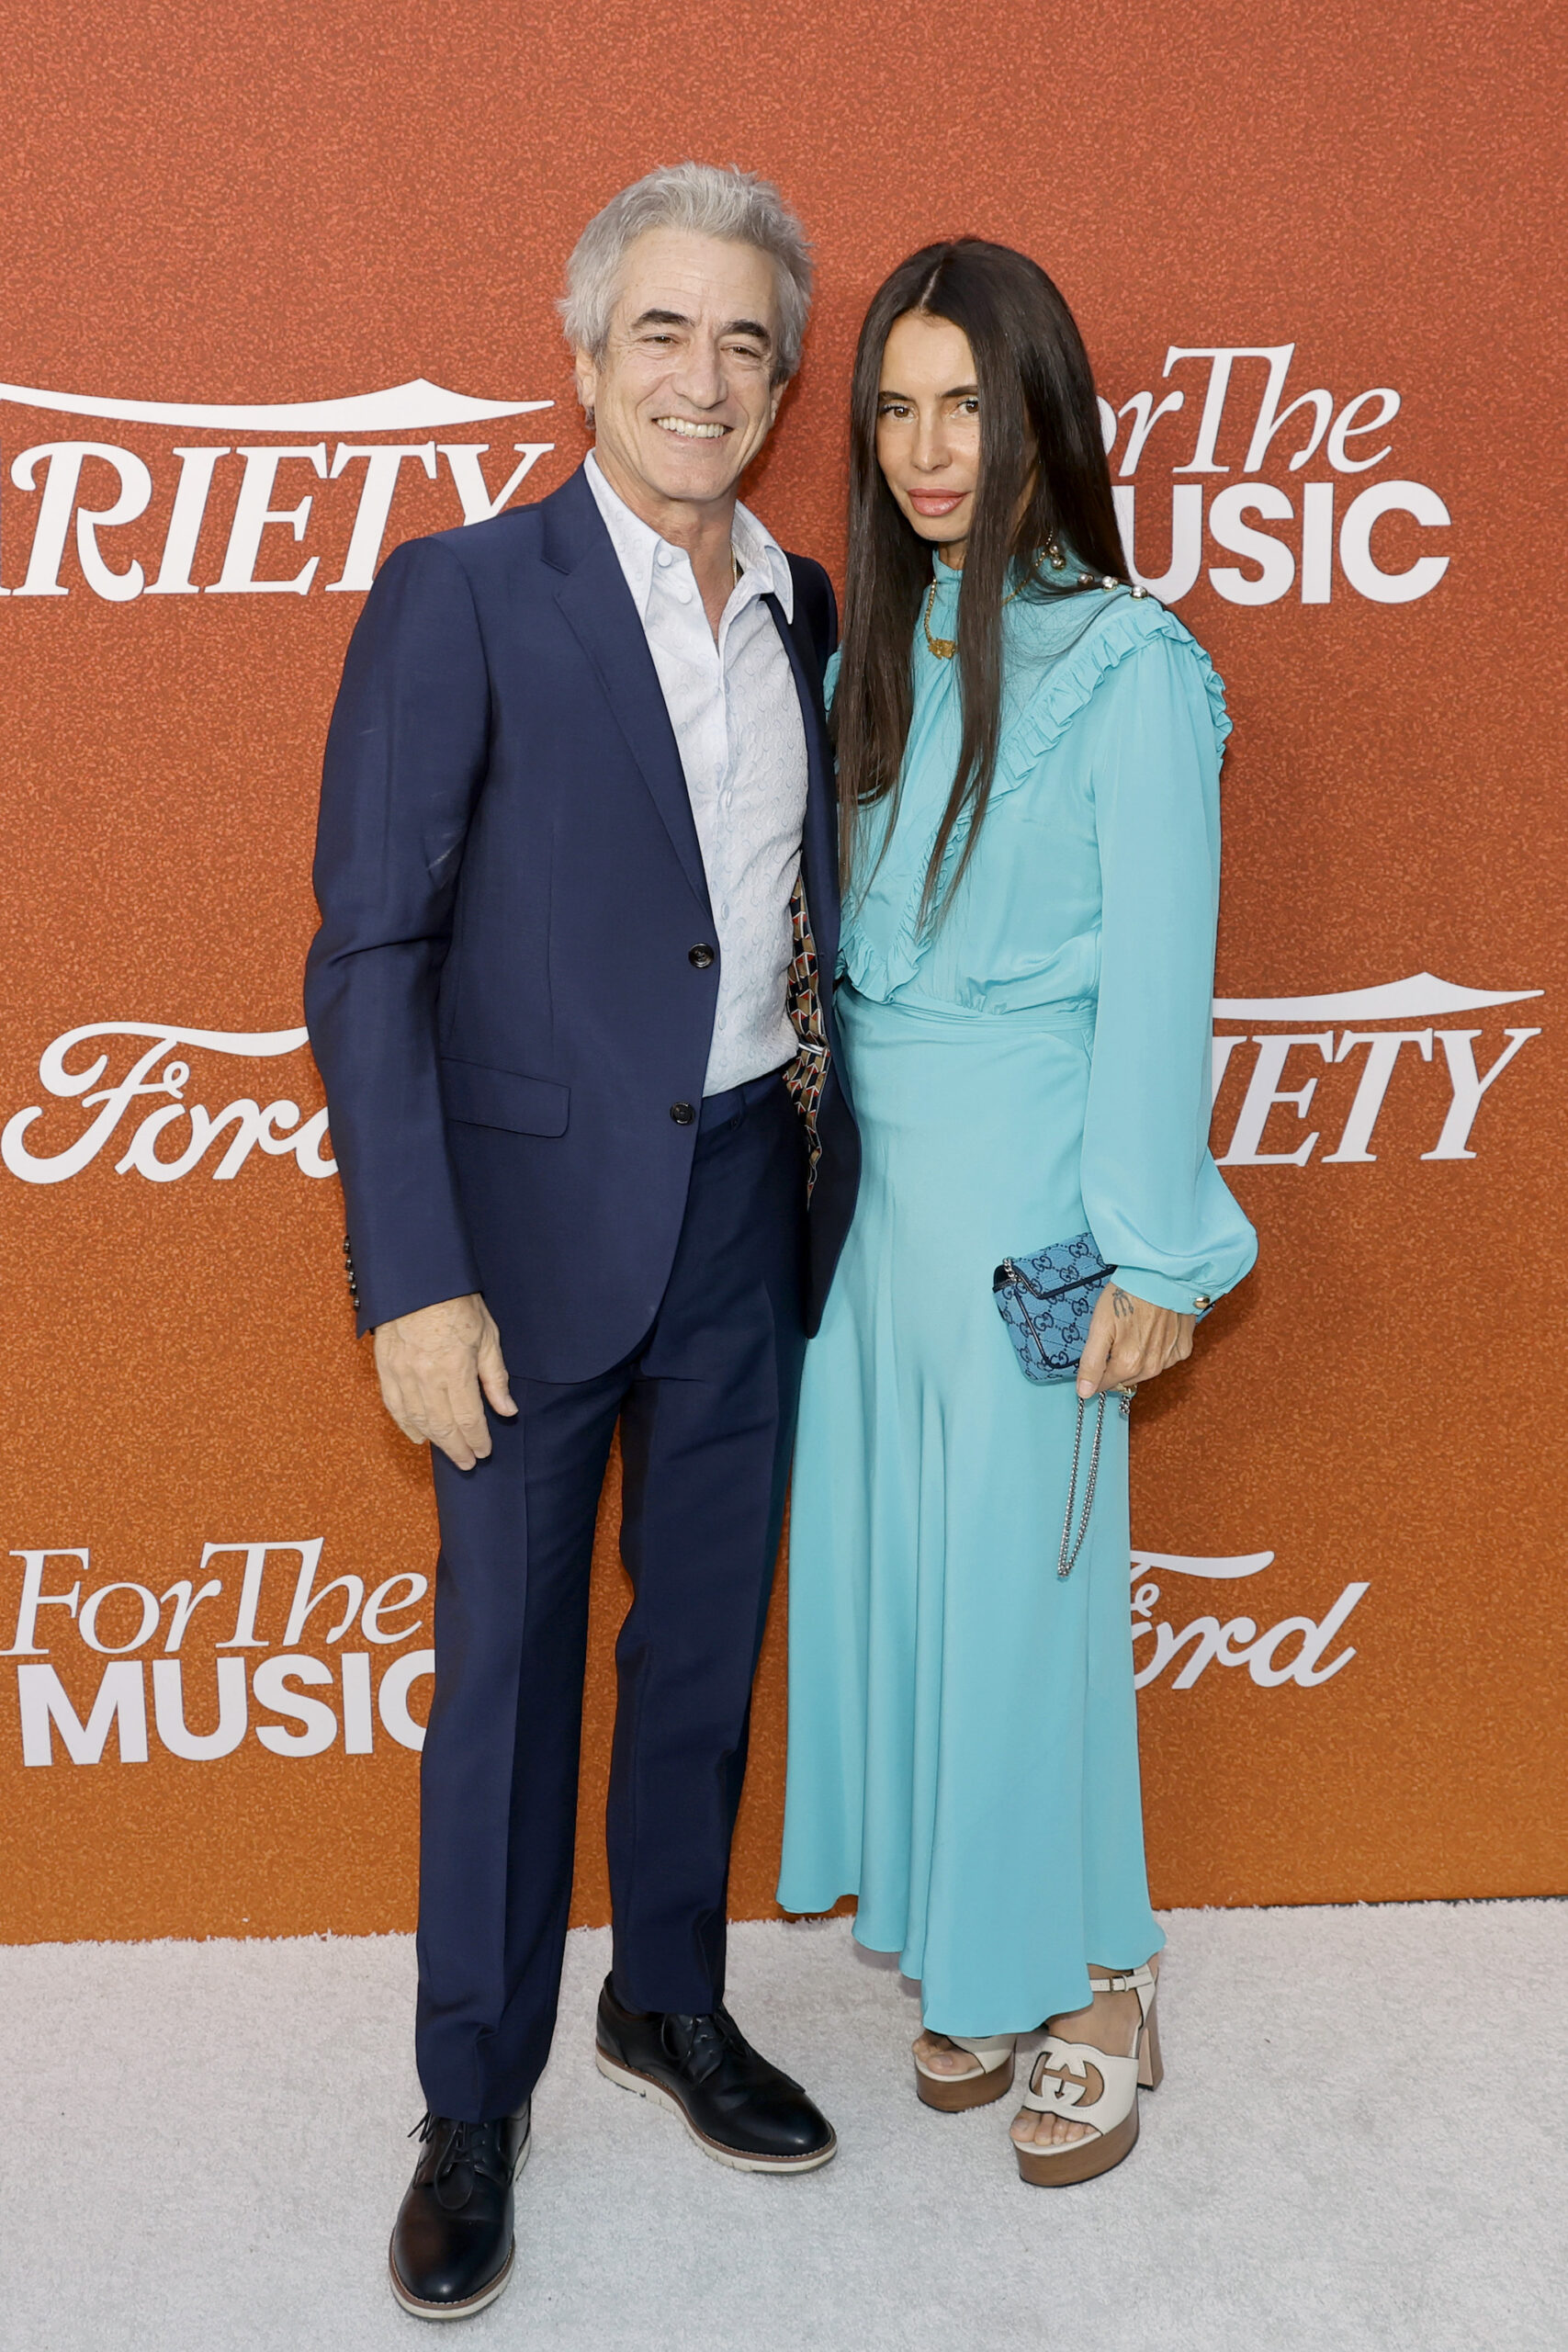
column 598, row 605
column 819, row 846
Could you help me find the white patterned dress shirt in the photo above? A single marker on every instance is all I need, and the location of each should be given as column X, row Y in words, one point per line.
column 741, row 738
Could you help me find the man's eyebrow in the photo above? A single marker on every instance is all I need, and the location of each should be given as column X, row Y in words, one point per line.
column 752, row 327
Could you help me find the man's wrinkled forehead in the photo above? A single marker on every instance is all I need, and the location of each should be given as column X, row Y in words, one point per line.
column 690, row 282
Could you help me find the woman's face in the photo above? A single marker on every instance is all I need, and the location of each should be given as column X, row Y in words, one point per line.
column 928, row 428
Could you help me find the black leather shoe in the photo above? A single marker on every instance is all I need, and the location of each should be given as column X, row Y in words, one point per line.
column 452, row 2249
column 734, row 2104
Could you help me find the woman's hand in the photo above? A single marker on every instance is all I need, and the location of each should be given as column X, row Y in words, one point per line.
column 1129, row 1340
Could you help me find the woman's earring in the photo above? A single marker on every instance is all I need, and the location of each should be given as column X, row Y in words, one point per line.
column 1057, row 561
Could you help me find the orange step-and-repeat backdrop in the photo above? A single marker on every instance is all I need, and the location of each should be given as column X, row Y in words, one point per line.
column 276, row 293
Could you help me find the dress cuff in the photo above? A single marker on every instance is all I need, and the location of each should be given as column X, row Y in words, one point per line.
column 1158, row 1290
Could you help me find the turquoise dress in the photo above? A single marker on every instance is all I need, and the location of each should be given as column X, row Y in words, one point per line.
column 963, row 1735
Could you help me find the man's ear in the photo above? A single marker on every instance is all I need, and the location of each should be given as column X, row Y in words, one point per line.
column 587, row 377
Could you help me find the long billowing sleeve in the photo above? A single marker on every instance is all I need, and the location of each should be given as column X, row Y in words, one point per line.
column 405, row 758
column 1157, row 1204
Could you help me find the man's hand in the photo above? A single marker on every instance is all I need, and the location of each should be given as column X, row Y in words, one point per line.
column 1130, row 1340
column 433, row 1365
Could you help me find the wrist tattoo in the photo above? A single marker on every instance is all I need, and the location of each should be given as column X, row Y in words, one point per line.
column 1121, row 1303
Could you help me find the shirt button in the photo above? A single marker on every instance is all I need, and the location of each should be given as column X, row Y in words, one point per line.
column 683, row 1114
column 701, row 955
column 664, row 559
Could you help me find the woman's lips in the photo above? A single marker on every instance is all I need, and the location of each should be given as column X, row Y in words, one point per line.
column 935, row 503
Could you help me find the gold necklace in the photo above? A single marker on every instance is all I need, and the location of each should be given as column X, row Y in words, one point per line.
column 944, row 648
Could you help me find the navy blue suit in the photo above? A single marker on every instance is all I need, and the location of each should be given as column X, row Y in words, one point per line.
column 513, row 1032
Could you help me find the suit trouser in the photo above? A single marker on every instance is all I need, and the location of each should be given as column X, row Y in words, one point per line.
column 707, row 1410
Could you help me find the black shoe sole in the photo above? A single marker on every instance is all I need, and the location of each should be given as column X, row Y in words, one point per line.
column 489, row 2293
column 645, row 2087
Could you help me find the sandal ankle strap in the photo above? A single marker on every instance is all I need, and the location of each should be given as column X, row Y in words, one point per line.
column 1133, row 1979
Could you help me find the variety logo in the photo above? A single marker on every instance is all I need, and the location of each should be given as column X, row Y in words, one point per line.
column 1331, row 534
column 1295, row 1649
column 1375, row 1053
column 87, row 492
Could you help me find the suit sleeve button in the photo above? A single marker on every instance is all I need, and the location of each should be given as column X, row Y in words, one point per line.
column 701, row 955
column 683, row 1114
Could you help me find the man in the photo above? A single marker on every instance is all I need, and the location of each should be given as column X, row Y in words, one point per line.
column 577, row 803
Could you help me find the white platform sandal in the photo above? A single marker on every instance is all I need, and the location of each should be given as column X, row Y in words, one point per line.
column 1060, row 2086
column 954, row 2093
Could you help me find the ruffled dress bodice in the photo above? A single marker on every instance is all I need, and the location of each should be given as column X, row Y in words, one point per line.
column 1024, row 930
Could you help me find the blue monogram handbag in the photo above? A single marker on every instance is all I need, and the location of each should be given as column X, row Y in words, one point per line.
column 1046, row 1301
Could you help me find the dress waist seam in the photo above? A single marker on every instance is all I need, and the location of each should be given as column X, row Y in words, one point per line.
column 1074, row 1018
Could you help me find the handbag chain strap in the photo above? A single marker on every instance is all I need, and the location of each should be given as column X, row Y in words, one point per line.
column 1066, row 1560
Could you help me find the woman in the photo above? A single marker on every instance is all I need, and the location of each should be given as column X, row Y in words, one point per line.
column 1029, row 757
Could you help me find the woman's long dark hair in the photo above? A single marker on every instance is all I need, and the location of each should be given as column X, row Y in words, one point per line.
column 1040, row 444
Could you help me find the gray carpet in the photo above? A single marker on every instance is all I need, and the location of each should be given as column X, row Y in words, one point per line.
column 1359, row 2143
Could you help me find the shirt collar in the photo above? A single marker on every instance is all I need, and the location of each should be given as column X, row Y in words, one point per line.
column 759, row 551
column 637, row 544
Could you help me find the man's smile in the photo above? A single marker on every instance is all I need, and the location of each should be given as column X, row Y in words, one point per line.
column 691, row 431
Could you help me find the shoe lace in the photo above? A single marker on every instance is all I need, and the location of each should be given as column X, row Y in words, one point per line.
column 708, row 2038
column 470, row 2144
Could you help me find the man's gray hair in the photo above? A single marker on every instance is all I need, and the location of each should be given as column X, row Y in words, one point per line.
column 711, row 201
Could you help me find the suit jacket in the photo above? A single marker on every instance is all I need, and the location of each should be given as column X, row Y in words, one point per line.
column 502, row 997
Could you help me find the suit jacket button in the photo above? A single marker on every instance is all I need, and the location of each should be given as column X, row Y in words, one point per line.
column 701, row 955
column 683, row 1114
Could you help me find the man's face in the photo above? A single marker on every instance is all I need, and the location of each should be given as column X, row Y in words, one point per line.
column 683, row 397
